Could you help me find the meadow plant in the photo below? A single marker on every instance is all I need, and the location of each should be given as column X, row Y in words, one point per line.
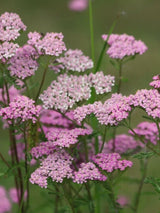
column 64, row 139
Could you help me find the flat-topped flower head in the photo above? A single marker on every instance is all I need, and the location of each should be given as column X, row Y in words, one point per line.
column 43, row 149
column 21, row 108
column 78, row 5
column 156, row 82
column 56, row 166
column 149, row 100
column 66, row 138
column 88, row 171
column 7, row 50
column 121, row 144
column 110, row 162
column 148, row 131
column 74, row 60
column 10, row 26
column 50, row 44
column 23, row 63
column 111, row 112
column 64, row 92
column 123, row 45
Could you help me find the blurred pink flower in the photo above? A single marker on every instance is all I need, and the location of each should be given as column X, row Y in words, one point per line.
column 122, row 200
column 14, row 196
column 78, row 5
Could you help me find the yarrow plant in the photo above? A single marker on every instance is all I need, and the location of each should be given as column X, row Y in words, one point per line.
column 64, row 139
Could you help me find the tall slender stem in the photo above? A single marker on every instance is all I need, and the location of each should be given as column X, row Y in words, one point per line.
column 139, row 192
column 42, row 82
column 120, row 77
column 4, row 160
column 91, row 30
column 26, row 167
column 91, row 204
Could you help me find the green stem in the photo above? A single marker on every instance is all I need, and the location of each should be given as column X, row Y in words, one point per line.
column 3, row 159
column 69, row 201
column 105, row 45
column 139, row 192
column 91, row 203
column 86, row 149
column 104, row 138
column 120, row 77
column 42, row 82
column 26, row 168
column 91, row 30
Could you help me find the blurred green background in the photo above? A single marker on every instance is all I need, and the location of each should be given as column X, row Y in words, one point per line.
column 141, row 19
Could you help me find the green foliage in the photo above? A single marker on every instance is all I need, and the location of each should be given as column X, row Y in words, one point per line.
column 155, row 182
column 143, row 155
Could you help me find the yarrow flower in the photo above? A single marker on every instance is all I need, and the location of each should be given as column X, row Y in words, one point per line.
column 5, row 205
column 50, row 44
column 149, row 100
column 78, row 5
column 121, row 144
column 10, row 26
column 111, row 112
column 66, row 138
column 56, row 165
column 156, row 82
column 74, row 60
column 110, row 162
column 23, row 63
column 7, row 50
column 64, row 92
column 123, row 45
column 44, row 148
column 21, row 108
column 88, row 171
column 148, row 131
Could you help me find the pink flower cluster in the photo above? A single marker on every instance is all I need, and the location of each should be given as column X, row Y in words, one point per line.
column 123, row 45
column 148, row 131
column 67, row 90
column 44, row 148
column 5, row 205
column 23, row 63
column 7, row 50
column 110, row 162
column 66, row 138
column 88, row 171
column 121, row 144
column 10, row 26
column 156, row 82
column 149, row 100
column 50, row 44
column 21, row 108
column 78, row 5
column 56, row 165
column 74, row 60
column 111, row 112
